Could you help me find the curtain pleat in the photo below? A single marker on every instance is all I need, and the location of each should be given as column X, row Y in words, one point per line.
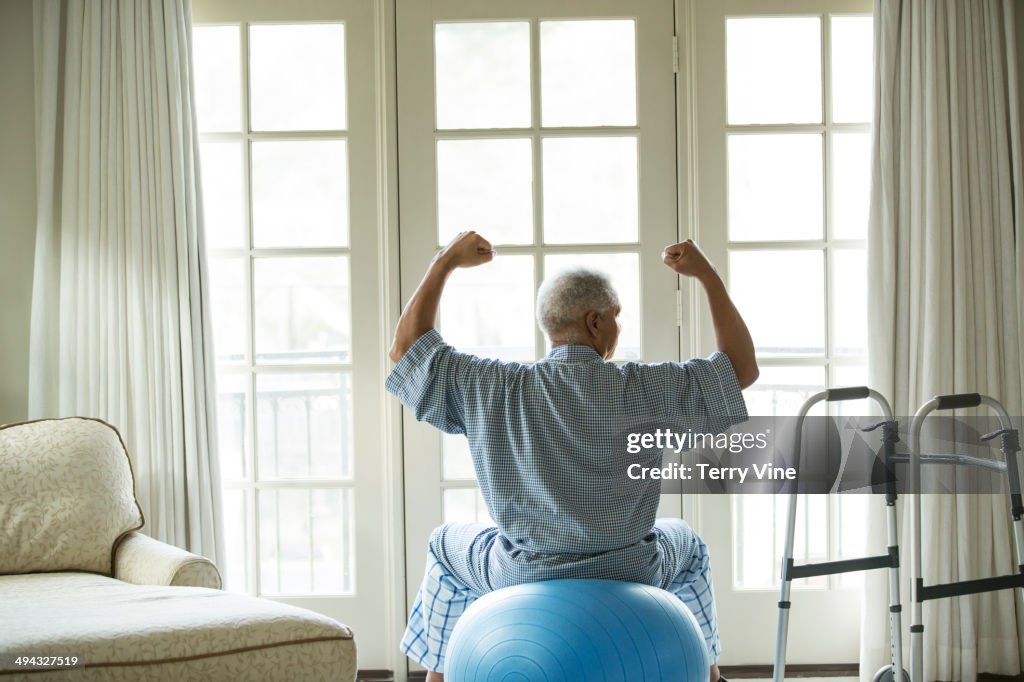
column 120, row 326
column 945, row 272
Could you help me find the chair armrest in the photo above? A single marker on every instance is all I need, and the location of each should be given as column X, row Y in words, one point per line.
column 144, row 561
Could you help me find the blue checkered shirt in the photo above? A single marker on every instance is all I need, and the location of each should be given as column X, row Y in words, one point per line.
column 541, row 434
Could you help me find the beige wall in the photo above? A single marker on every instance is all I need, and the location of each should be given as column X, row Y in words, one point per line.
column 17, row 204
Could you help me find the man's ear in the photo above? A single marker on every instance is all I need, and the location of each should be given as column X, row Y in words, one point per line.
column 593, row 321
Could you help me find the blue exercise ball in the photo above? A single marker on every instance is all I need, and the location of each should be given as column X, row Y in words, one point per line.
column 577, row 630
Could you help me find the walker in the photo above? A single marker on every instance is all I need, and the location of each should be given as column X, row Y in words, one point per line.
column 790, row 572
column 1009, row 447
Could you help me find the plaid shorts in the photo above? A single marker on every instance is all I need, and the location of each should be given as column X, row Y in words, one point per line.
column 443, row 597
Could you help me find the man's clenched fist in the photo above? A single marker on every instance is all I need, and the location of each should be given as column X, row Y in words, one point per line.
column 686, row 258
column 467, row 250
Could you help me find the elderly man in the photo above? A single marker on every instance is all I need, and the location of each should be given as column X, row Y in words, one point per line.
column 537, row 433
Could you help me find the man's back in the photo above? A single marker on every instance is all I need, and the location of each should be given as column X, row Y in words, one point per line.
column 547, row 447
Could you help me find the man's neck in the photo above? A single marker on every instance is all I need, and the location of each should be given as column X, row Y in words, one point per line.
column 562, row 341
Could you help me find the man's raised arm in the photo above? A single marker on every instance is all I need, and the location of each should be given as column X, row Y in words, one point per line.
column 467, row 250
column 731, row 334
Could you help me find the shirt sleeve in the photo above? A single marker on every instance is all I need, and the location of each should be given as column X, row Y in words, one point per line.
column 712, row 380
column 432, row 379
column 701, row 388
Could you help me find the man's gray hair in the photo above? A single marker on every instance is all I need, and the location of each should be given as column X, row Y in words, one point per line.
column 566, row 296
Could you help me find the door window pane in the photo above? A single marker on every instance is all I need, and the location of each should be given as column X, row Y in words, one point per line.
column 216, row 53
column 810, row 542
column 465, row 505
column 457, row 461
column 760, row 534
column 775, row 187
column 774, row 69
column 304, row 425
column 852, row 69
column 306, row 541
column 624, row 271
column 223, row 195
column 782, row 390
column 303, row 309
column 482, row 74
column 781, row 296
column 232, row 404
column 228, row 283
column 849, row 311
column 297, row 76
column 588, row 72
column 488, row 310
column 851, row 375
column 236, row 518
column 300, row 193
column 755, row 541
column 487, row 186
column 851, row 184
column 590, row 190
column 853, row 534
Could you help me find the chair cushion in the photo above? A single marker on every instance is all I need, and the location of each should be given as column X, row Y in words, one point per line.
column 133, row 632
column 67, row 496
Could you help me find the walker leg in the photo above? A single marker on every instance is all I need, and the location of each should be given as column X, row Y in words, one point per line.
column 895, row 607
column 917, row 651
column 1018, row 539
column 787, row 556
column 780, row 644
column 896, row 632
column 1010, row 447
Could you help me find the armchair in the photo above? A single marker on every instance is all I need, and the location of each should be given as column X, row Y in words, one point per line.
column 77, row 578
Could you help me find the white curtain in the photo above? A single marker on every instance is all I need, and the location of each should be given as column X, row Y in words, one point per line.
column 120, row 306
column 946, row 280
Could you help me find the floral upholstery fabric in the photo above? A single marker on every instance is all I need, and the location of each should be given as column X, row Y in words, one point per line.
column 67, row 496
column 144, row 561
column 131, row 632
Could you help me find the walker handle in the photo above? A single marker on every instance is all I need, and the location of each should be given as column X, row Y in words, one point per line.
column 851, row 393
column 957, row 401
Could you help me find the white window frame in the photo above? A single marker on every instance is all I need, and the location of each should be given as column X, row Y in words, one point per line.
column 376, row 609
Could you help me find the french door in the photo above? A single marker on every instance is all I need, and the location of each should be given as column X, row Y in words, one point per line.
column 783, row 93
column 288, row 130
column 548, row 128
